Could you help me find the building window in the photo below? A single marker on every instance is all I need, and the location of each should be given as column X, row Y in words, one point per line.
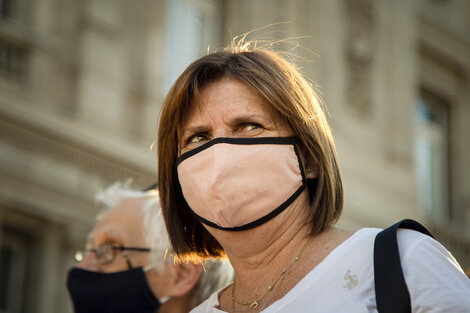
column 432, row 166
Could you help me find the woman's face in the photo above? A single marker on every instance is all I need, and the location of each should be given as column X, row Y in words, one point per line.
column 228, row 108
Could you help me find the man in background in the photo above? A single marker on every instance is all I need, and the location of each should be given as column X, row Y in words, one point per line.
column 127, row 265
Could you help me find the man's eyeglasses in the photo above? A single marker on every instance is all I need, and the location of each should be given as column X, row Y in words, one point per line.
column 106, row 253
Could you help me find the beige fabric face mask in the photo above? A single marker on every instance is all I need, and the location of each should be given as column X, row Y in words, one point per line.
column 240, row 183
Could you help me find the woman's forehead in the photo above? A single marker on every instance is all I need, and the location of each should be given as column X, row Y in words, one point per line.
column 229, row 97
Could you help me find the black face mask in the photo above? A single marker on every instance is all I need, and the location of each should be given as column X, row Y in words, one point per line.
column 126, row 292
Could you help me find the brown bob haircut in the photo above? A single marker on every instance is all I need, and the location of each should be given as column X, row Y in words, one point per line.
column 290, row 97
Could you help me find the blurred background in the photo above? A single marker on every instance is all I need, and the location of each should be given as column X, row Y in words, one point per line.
column 82, row 82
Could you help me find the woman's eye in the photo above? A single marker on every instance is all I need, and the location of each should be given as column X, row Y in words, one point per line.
column 252, row 126
column 197, row 138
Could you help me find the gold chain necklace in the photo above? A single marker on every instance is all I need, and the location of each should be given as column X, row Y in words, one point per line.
column 253, row 305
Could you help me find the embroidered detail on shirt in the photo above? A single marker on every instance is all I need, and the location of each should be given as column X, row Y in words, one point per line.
column 351, row 279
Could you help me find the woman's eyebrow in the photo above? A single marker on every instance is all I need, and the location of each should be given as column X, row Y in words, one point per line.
column 195, row 129
column 232, row 121
column 250, row 118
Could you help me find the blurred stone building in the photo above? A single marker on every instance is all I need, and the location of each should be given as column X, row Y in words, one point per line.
column 82, row 82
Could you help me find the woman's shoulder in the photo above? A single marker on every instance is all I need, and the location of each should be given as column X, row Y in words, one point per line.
column 434, row 278
column 415, row 249
column 415, row 246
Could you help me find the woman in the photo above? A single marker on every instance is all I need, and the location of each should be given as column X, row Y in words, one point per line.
column 248, row 169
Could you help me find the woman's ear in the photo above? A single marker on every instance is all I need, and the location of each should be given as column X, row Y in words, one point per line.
column 311, row 172
column 186, row 276
column 309, row 165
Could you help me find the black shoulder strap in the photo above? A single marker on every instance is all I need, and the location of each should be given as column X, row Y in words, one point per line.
column 391, row 292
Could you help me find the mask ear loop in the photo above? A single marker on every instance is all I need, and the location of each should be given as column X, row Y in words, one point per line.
column 310, row 183
column 301, row 166
column 128, row 261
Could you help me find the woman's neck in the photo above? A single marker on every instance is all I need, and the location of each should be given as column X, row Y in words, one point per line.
column 269, row 260
column 259, row 256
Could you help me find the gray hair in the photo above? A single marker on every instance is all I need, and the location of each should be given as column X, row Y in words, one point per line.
column 215, row 274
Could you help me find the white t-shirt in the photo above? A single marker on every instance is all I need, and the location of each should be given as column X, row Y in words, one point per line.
column 344, row 280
